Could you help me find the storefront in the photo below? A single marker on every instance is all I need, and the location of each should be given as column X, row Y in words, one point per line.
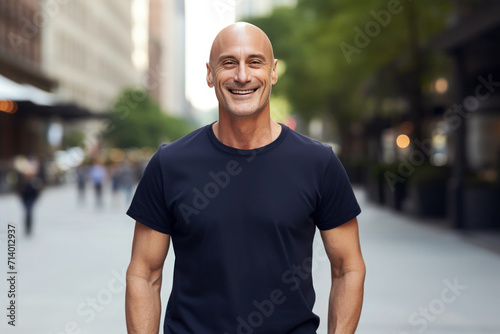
column 473, row 45
column 32, row 125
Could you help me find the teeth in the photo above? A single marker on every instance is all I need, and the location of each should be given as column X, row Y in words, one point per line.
column 242, row 91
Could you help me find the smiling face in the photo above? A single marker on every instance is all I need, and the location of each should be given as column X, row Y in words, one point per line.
column 242, row 69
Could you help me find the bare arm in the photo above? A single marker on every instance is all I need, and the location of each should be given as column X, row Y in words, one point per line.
column 348, row 275
column 144, row 275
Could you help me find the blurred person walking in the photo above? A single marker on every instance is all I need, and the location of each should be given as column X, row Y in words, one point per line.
column 116, row 181
column 98, row 175
column 127, row 179
column 241, row 199
column 29, row 187
column 82, row 176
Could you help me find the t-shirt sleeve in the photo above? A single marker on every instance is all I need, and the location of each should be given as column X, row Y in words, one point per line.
column 148, row 205
column 337, row 205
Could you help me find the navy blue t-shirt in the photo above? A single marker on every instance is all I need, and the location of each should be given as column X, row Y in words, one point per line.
column 242, row 224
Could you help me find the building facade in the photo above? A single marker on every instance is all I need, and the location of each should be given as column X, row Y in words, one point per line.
column 155, row 27
column 87, row 48
column 20, row 43
column 21, row 75
column 173, row 82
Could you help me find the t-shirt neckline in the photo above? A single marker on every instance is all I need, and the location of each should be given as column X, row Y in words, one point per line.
column 236, row 151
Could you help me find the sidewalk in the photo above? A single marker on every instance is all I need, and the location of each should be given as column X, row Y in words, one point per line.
column 424, row 278
column 71, row 271
column 421, row 278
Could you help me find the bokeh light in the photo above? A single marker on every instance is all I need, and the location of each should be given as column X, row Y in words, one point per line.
column 403, row 141
column 441, row 86
column 8, row 106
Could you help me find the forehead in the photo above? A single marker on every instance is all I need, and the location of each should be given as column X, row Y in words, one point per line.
column 241, row 42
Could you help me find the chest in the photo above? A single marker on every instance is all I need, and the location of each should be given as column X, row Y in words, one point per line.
column 244, row 197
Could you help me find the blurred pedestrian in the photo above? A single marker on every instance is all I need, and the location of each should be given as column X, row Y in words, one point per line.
column 241, row 199
column 82, row 176
column 127, row 179
column 98, row 175
column 29, row 188
column 116, row 182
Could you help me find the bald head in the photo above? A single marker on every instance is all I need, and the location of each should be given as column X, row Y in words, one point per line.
column 240, row 34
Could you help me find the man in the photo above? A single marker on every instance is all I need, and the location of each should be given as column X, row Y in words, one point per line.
column 241, row 199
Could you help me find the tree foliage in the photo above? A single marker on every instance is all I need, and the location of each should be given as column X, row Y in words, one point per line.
column 138, row 121
column 335, row 49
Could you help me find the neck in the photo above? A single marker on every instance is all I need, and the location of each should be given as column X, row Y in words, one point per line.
column 246, row 132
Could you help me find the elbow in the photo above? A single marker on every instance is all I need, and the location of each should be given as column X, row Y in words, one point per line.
column 355, row 269
column 360, row 269
column 136, row 277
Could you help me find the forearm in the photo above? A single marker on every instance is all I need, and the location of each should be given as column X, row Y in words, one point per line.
column 346, row 299
column 142, row 305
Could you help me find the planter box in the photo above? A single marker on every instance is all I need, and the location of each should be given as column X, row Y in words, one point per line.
column 356, row 173
column 374, row 191
column 427, row 201
column 481, row 207
column 394, row 197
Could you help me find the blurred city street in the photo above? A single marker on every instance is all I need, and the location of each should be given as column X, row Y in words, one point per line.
column 421, row 278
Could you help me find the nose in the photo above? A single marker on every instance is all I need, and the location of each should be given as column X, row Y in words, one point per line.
column 242, row 74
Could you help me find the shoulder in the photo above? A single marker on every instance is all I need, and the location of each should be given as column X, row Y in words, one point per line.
column 187, row 145
column 309, row 148
column 177, row 154
column 189, row 139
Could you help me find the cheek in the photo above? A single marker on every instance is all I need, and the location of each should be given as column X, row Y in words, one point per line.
column 221, row 76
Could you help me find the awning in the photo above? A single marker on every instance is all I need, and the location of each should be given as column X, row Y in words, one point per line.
column 25, row 99
column 10, row 90
column 66, row 111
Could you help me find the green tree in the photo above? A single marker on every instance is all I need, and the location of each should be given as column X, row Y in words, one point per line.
column 138, row 121
column 334, row 51
column 73, row 138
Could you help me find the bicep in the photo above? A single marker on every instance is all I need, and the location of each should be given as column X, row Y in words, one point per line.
column 149, row 250
column 343, row 248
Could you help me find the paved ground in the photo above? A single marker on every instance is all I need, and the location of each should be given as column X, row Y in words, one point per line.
column 421, row 278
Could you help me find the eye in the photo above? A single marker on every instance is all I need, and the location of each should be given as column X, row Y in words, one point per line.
column 255, row 63
column 229, row 63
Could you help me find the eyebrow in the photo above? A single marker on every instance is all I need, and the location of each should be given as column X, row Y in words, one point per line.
column 254, row 55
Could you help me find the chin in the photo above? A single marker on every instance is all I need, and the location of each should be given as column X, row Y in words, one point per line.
column 243, row 112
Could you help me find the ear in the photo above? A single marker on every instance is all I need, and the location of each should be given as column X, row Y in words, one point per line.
column 210, row 79
column 274, row 75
